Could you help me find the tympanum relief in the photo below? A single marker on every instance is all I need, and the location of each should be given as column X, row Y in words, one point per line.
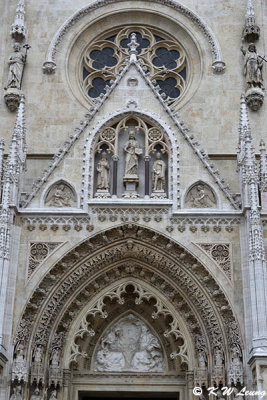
column 200, row 196
column 129, row 346
column 60, row 195
column 131, row 161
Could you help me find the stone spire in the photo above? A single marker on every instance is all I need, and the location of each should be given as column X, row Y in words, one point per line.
column 251, row 31
column 133, row 48
column 18, row 28
column 263, row 167
column 255, row 263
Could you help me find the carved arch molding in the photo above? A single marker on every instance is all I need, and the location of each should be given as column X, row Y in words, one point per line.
column 128, row 269
column 218, row 65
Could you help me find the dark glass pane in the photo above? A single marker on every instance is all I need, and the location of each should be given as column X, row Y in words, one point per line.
column 85, row 73
column 98, row 87
column 111, row 38
column 158, row 38
column 166, row 58
column 143, row 43
column 183, row 73
column 168, row 87
column 103, row 58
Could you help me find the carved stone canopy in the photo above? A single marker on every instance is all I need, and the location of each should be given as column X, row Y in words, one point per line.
column 129, row 346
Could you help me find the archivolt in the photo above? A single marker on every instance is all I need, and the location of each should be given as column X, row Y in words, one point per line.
column 130, row 252
column 218, row 64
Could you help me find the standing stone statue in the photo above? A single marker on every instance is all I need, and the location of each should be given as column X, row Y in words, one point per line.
column 16, row 64
column 37, row 395
column 253, row 64
column 133, row 151
column 38, row 354
column 159, row 170
column 16, row 393
column 53, row 395
column 103, row 173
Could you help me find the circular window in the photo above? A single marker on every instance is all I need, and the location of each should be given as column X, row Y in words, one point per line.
column 162, row 58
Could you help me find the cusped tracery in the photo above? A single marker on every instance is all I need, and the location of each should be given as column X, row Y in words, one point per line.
column 162, row 57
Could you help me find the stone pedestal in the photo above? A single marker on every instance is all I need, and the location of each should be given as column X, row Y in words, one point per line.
column 12, row 98
column 131, row 183
column 158, row 194
column 254, row 98
column 102, row 194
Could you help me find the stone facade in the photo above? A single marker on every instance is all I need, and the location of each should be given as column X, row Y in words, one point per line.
column 133, row 198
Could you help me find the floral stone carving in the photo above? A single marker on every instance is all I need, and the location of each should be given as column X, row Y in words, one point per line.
column 60, row 195
column 129, row 346
column 221, row 254
column 39, row 252
column 200, row 196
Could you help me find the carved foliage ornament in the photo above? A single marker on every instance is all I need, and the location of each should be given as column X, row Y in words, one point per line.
column 160, row 55
column 39, row 252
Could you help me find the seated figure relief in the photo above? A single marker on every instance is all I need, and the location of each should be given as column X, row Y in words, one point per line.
column 200, row 196
column 60, row 195
column 129, row 346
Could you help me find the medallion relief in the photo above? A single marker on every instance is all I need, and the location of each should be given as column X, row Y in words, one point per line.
column 60, row 195
column 200, row 196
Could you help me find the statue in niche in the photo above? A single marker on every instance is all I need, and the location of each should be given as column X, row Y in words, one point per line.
column 60, row 195
column 133, row 151
column 53, row 395
column 253, row 65
column 37, row 395
column 38, row 354
column 218, row 356
column 200, row 196
column 129, row 346
column 16, row 393
column 103, row 173
column 16, row 64
column 55, row 356
column 159, row 170
column 201, row 360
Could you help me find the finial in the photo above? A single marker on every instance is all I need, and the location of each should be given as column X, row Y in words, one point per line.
column 251, row 31
column 133, row 47
column 18, row 28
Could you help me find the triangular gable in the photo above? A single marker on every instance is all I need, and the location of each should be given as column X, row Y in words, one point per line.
column 131, row 102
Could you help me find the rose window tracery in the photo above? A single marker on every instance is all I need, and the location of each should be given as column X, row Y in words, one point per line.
column 161, row 57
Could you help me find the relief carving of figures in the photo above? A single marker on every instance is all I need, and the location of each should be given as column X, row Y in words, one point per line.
column 200, row 196
column 16, row 64
column 60, row 195
column 133, row 151
column 16, row 393
column 55, row 356
column 159, row 171
column 253, row 64
column 129, row 346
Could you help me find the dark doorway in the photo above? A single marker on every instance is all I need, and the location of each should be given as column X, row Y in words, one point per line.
column 127, row 396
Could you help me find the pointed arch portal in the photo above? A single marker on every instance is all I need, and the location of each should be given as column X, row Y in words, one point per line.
column 189, row 327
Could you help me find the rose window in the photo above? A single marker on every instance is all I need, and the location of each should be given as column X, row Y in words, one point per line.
column 162, row 58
